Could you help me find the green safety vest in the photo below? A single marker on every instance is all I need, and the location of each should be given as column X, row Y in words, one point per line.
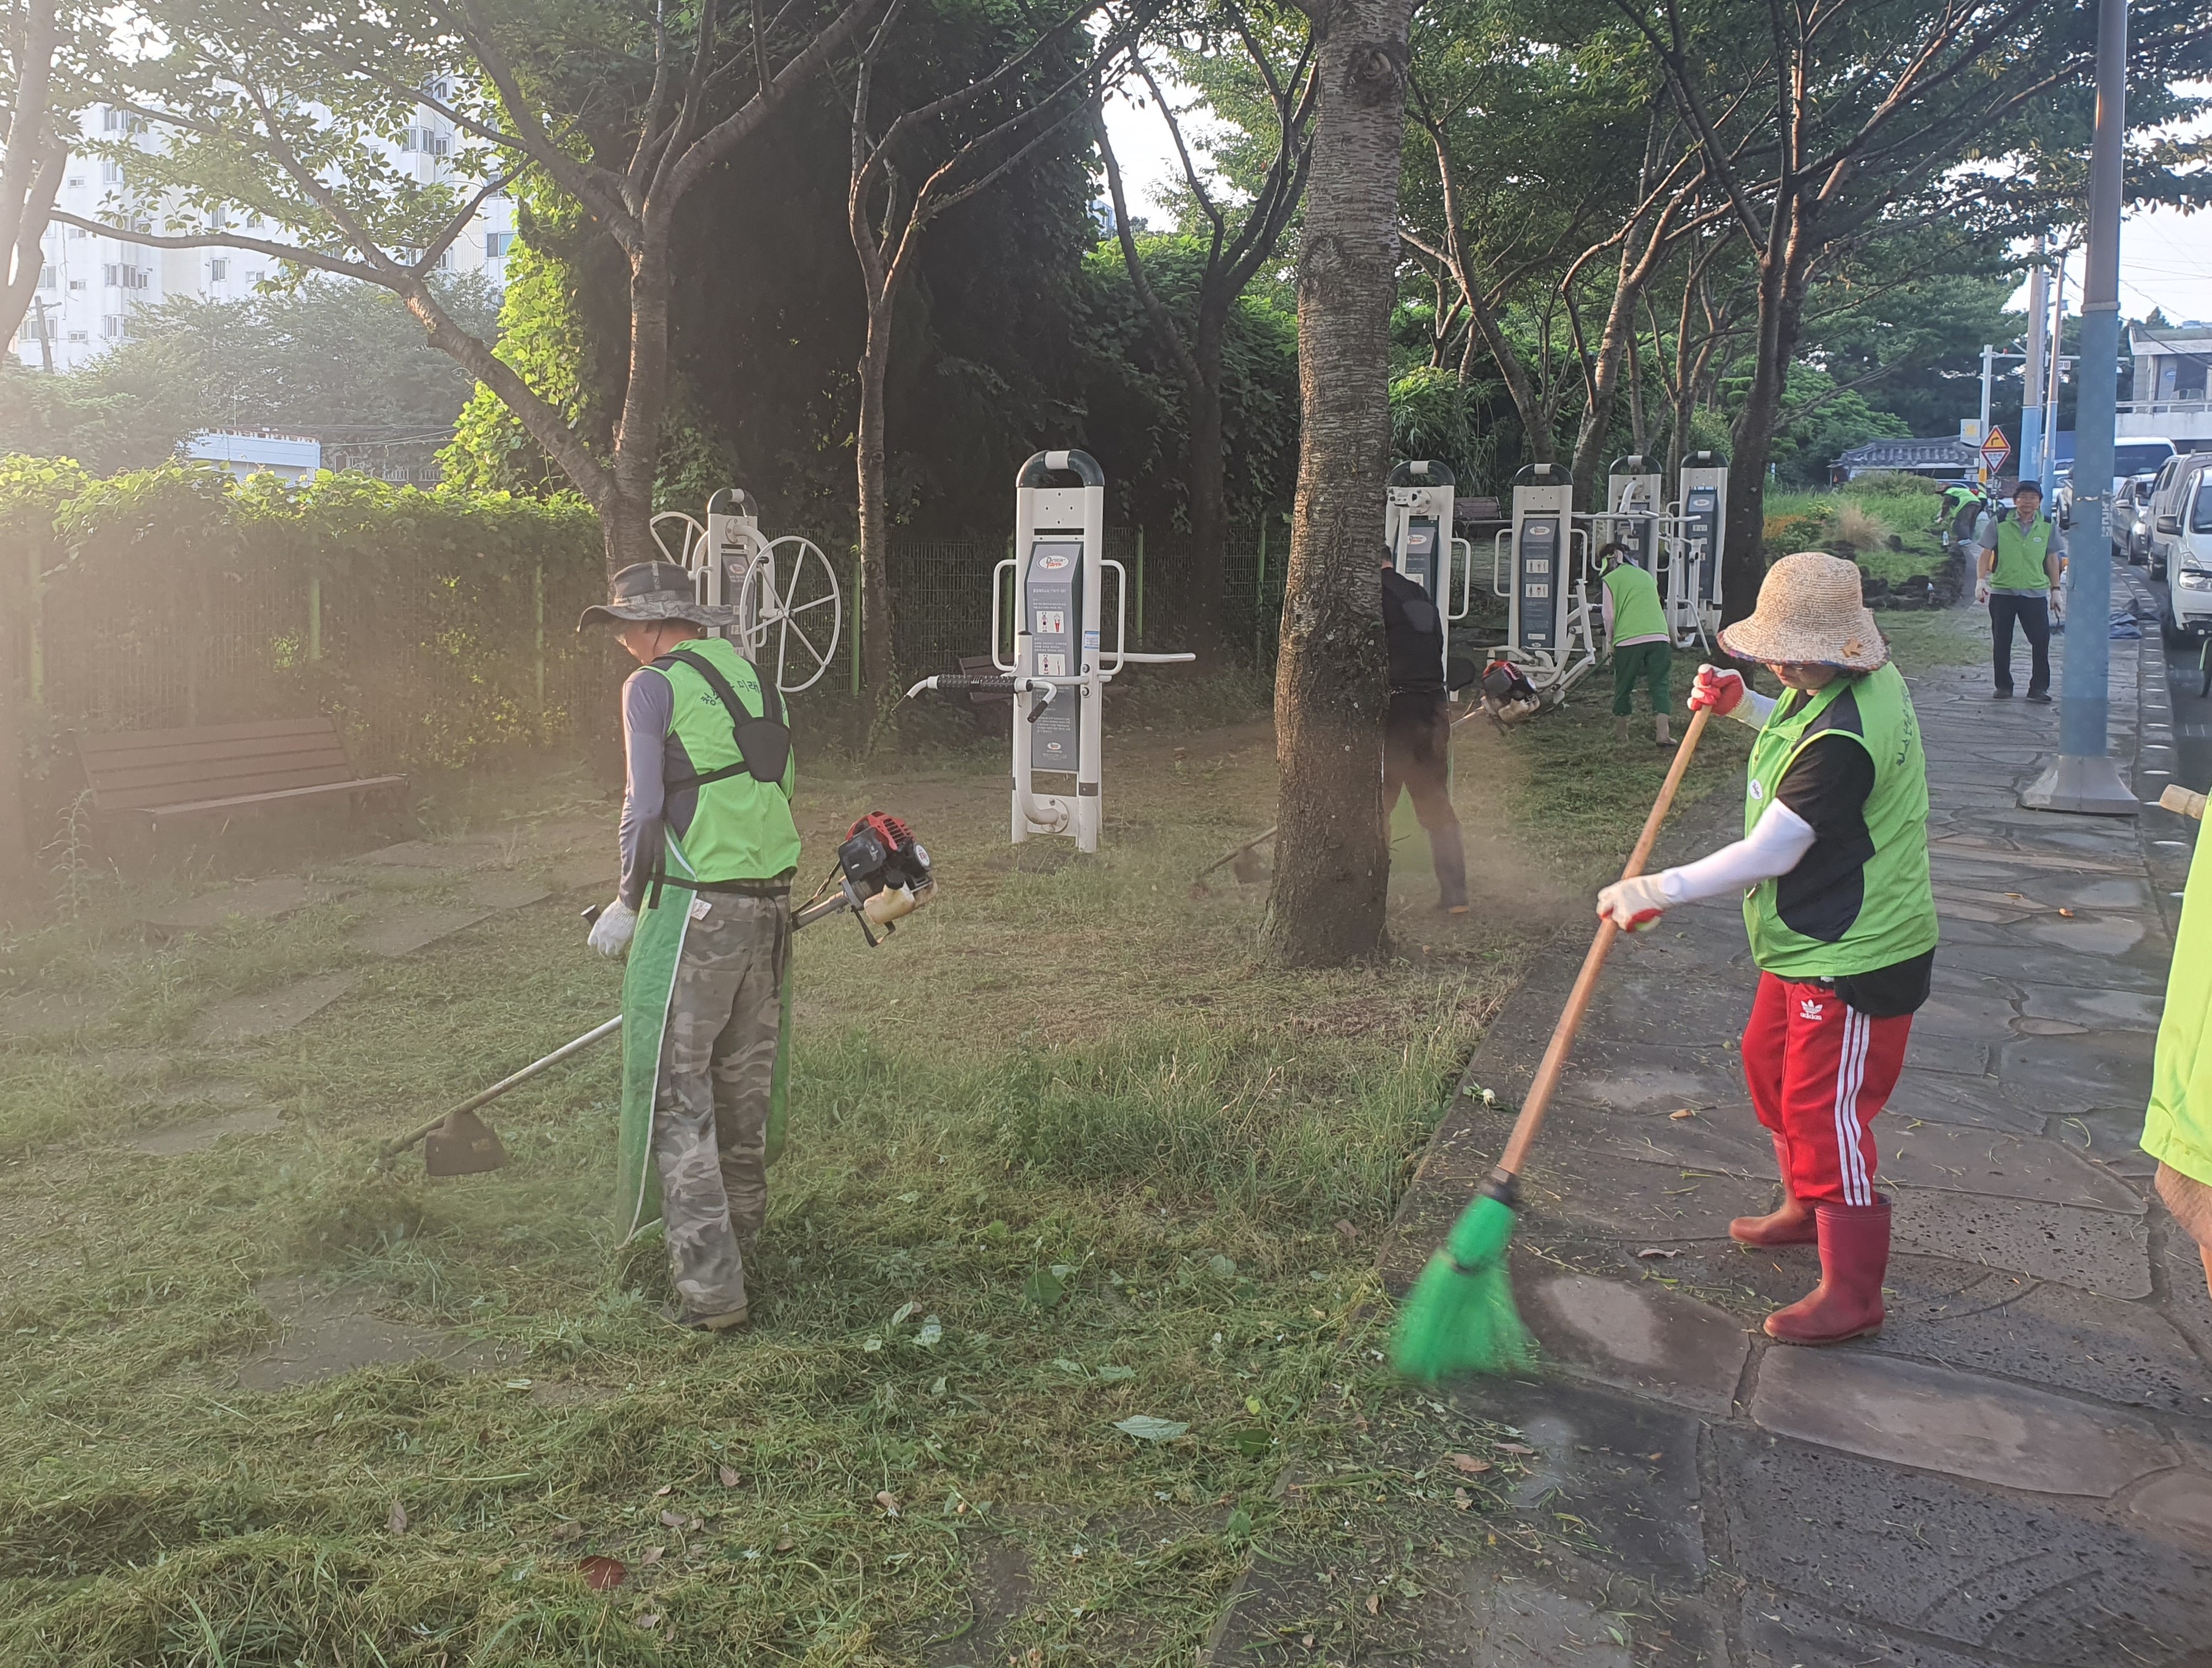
column 1636, row 609
column 2021, row 553
column 742, row 828
column 2178, row 1123
column 1805, row 925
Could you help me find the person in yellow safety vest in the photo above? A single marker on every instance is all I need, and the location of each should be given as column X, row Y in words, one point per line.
column 2178, row 1123
column 1841, row 914
column 1643, row 647
column 708, row 848
column 2022, row 556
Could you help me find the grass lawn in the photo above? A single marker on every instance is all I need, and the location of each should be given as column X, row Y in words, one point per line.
column 1859, row 520
column 1064, row 1153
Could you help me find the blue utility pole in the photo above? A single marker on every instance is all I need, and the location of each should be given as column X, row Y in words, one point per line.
column 2084, row 777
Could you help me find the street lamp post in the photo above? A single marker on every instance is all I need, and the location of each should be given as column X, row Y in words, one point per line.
column 2083, row 778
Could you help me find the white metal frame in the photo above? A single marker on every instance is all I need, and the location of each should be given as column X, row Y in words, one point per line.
column 1428, row 491
column 771, row 575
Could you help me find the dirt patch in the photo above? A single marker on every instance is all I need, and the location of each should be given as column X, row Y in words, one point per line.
column 52, row 1014
column 334, row 1331
column 196, row 1137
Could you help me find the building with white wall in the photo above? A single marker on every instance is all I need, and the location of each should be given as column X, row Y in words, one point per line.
column 90, row 286
column 2170, row 398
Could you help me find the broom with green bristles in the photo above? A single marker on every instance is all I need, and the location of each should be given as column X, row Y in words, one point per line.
column 1460, row 1317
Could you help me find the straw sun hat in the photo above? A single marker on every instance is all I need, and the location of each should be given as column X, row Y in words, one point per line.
column 1811, row 612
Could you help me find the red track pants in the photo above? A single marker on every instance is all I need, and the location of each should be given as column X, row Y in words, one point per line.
column 1819, row 1071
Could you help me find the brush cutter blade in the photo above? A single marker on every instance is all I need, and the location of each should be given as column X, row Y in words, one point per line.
column 463, row 1145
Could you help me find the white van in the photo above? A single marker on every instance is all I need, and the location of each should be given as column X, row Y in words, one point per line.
column 2134, row 454
column 2168, row 512
column 2186, row 535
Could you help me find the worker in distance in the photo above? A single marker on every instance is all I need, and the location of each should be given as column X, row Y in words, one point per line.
column 708, row 849
column 1837, row 899
column 1417, row 731
column 1643, row 645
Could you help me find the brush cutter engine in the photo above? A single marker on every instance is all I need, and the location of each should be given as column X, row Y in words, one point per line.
column 884, row 873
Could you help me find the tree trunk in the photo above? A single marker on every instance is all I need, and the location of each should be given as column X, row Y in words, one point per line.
column 879, row 655
column 1781, row 314
column 1332, row 855
column 1204, row 468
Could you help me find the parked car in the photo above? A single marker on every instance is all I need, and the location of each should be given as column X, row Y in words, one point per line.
column 2172, row 499
column 2129, row 528
column 2187, row 616
column 2136, row 455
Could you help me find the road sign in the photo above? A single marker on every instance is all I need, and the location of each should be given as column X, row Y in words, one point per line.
column 1994, row 451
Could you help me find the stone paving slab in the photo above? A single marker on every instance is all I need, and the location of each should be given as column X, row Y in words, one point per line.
column 196, row 1137
column 242, row 1018
column 505, row 891
column 330, row 1333
column 403, row 931
column 53, row 1013
column 1959, row 1158
column 1937, row 1419
column 1640, row 1338
column 2095, row 1250
column 446, row 855
column 254, row 900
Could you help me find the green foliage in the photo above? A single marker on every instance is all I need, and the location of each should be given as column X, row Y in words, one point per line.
column 1434, row 416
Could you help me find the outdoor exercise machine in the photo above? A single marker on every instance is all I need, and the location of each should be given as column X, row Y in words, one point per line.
column 1417, row 525
column 1701, row 495
column 1058, row 669
column 1539, row 563
column 1635, row 502
column 772, row 583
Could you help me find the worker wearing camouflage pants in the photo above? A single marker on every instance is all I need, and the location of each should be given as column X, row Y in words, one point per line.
column 708, row 848
column 711, row 1096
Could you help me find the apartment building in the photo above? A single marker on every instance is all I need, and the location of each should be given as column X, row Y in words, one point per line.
column 90, row 286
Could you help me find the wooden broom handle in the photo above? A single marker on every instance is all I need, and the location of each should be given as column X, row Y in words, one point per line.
column 1554, row 1063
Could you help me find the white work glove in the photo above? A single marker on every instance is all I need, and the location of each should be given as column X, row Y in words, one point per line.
column 1721, row 691
column 1633, row 904
column 611, row 933
column 1981, row 593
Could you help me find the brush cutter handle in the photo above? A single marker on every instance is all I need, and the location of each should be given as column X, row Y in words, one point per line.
column 1554, row 1062
column 399, row 1144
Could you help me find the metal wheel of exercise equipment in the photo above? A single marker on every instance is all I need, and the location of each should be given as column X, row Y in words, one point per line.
column 789, row 579
column 683, row 529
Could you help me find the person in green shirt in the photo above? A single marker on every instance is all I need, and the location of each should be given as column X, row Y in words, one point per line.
column 2022, row 556
column 2178, row 1122
column 708, row 848
column 1643, row 647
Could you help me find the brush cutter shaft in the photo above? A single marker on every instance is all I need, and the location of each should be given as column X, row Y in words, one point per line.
column 1554, row 1063
column 405, row 1142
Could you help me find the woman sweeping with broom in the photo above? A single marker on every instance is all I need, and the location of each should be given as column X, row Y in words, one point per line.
column 1833, row 869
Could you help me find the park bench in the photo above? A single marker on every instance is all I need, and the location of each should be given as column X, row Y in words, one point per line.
column 223, row 770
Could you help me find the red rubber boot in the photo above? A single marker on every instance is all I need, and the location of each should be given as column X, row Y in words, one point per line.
column 1847, row 1303
column 1792, row 1225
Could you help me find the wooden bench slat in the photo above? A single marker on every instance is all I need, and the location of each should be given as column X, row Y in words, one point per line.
column 166, row 772
column 237, row 787
column 214, row 753
column 106, row 740
column 207, row 807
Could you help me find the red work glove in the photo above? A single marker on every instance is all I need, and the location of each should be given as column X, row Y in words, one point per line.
column 1721, row 691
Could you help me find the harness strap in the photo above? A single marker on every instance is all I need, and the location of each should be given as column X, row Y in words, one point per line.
column 772, row 714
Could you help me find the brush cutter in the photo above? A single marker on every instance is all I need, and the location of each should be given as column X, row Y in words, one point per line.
column 1460, row 1315
column 883, row 875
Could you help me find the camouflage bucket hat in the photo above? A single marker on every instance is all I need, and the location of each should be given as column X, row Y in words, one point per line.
column 655, row 591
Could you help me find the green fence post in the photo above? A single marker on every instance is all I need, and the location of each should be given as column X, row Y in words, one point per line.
column 314, row 618
column 1260, row 590
column 34, row 629
column 538, row 612
column 1140, row 586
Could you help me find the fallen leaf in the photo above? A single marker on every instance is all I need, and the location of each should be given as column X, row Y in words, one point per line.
column 396, row 1523
column 1147, row 1428
column 784, row 1545
column 1512, row 1447
column 1469, row 1463
column 903, row 1313
column 664, row 1488
column 602, row 1573
column 1347, row 1230
column 568, row 1531
column 1680, row 1112
column 1654, row 1456
column 696, row 1524
column 652, row 1555
column 1375, row 1604
column 932, row 1333
column 518, row 1383
column 1115, row 1374
column 1658, row 1251
column 872, row 1346
column 729, row 1476
column 1043, row 1289
column 889, row 1501
column 2067, row 914
column 1462, row 1499
column 671, row 1519
column 649, row 1621
column 1221, row 1267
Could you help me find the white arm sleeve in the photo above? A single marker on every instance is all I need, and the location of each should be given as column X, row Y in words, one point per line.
column 1753, row 708
column 1774, row 847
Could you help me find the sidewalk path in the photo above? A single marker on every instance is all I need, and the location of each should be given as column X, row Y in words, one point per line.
column 2018, row 1469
